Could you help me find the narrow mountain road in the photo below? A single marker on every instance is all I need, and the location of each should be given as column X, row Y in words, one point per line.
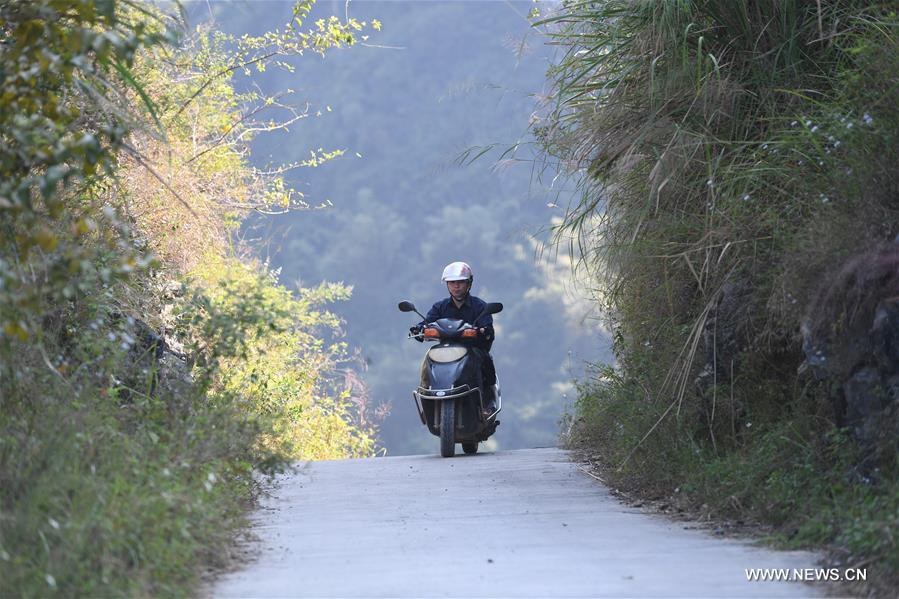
column 522, row 523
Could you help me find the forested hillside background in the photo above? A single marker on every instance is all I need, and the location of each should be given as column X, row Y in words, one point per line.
column 438, row 84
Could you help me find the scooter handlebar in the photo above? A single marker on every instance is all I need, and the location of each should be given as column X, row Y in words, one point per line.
column 420, row 333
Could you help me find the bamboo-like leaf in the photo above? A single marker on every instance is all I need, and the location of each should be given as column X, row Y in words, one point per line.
column 132, row 82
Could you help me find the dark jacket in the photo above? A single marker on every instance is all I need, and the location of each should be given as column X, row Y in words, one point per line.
column 470, row 309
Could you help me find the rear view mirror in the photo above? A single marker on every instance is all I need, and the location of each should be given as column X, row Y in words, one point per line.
column 491, row 308
column 406, row 306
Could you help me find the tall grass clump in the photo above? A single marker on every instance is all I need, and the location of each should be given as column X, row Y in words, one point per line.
column 731, row 157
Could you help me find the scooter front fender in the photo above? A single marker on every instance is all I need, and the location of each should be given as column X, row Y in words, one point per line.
column 443, row 375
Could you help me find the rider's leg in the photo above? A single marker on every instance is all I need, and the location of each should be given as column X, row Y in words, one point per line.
column 489, row 373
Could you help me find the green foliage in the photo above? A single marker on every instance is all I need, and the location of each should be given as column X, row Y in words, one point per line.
column 62, row 69
column 228, row 121
column 730, row 156
column 124, row 467
column 109, row 490
column 254, row 342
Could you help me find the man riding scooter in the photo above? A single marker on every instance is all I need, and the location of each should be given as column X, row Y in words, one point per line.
column 463, row 306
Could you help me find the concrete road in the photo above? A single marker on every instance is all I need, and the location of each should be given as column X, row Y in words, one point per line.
column 523, row 523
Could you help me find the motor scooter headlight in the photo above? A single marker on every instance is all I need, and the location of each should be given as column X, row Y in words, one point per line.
column 447, row 354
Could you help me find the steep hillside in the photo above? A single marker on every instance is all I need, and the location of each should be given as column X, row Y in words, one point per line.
column 148, row 368
column 739, row 211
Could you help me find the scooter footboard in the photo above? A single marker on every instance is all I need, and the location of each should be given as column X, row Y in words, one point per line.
column 467, row 414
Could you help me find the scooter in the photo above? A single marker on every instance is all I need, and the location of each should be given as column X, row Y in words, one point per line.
column 450, row 398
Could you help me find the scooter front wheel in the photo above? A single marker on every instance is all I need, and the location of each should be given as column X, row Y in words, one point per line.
column 448, row 428
column 470, row 446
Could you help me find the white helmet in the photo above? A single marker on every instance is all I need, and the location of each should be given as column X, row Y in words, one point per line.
column 457, row 271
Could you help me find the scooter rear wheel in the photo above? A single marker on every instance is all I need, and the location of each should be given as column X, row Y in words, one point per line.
column 470, row 446
column 448, row 428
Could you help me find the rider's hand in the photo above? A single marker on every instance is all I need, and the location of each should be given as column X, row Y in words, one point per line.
column 415, row 331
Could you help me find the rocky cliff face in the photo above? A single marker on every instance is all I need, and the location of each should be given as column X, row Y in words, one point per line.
column 850, row 342
column 851, row 338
